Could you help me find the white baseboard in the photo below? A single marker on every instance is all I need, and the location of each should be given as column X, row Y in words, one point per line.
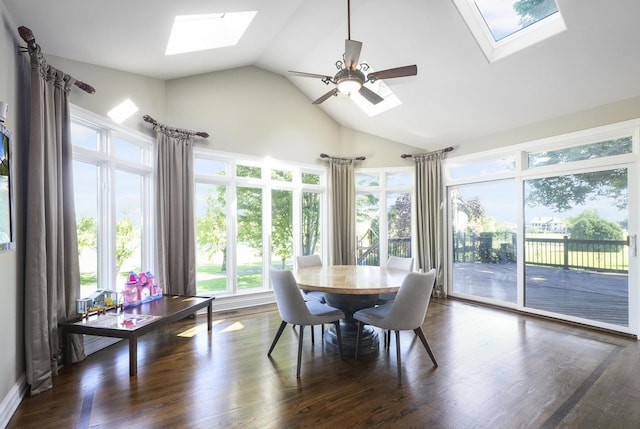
column 10, row 403
column 226, row 303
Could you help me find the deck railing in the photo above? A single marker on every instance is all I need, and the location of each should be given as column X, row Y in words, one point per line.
column 566, row 253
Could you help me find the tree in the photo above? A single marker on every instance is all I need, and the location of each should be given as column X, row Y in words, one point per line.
column 531, row 11
column 87, row 233
column 400, row 217
column 211, row 229
column 588, row 225
column 281, row 227
column 127, row 239
column 310, row 222
column 562, row 193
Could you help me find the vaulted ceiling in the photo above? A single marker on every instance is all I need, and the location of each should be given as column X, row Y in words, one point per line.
column 457, row 95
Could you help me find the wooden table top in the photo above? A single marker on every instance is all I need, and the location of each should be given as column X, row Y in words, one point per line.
column 350, row 279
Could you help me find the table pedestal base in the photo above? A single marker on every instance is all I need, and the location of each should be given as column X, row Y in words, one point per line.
column 349, row 304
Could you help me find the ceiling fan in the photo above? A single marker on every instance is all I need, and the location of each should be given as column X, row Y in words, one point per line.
column 351, row 75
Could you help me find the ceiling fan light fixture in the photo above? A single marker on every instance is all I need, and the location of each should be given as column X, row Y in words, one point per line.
column 348, row 86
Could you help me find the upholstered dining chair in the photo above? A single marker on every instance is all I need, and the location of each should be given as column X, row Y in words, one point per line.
column 396, row 263
column 308, row 295
column 406, row 312
column 295, row 310
column 311, row 261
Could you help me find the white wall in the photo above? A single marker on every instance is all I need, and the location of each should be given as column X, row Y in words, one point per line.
column 13, row 68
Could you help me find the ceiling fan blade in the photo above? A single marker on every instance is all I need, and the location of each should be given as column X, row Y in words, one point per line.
column 371, row 96
column 334, row 91
column 395, row 72
column 352, row 50
column 303, row 74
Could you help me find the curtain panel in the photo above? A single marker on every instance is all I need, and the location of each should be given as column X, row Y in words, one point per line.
column 175, row 230
column 343, row 211
column 51, row 271
column 430, row 217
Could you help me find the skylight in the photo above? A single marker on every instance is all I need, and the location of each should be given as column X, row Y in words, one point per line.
column 379, row 87
column 192, row 33
column 502, row 27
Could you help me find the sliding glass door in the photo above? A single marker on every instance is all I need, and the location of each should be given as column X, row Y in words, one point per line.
column 576, row 257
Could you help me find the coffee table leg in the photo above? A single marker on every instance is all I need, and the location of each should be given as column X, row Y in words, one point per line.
column 209, row 317
column 133, row 356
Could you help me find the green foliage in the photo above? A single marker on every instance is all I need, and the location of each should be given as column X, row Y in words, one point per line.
column 562, row 193
column 281, row 230
column 588, row 225
column 531, row 11
column 310, row 222
column 127, row 239
column 250, row 216
column 211, row 229
column 400, row 217
column 87, row 233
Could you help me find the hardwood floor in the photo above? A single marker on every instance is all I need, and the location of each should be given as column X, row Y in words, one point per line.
column 497, row 369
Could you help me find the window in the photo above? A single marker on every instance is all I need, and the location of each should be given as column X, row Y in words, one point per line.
column 383, row 215
column 504, row 27
column 260, row 215
column 112, row 184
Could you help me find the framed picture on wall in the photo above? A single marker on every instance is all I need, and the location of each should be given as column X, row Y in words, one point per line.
column 7, row 234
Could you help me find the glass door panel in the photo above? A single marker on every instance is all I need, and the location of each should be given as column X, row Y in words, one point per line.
column 484, row 240
column 576, row 258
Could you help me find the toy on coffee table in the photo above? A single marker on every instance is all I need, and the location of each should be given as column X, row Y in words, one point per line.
column 98, row 302
column 140, row 288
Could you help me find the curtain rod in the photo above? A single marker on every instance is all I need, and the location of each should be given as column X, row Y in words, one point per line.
column 27, row 35
column 339, row 158
column 408, row 155
column 149, row 119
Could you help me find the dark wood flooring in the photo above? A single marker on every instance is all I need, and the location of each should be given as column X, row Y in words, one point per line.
column 497, row 369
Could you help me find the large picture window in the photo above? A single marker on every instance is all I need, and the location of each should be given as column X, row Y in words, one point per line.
column 113, row 195
column 383, row 215
column 251, row 215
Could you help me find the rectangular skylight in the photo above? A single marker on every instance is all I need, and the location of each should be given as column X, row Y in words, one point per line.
column 192, row 33
column 379, row 87
column 505, row 18
column 503, row 27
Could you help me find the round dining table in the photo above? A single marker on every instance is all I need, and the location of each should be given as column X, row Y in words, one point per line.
column 350, row 288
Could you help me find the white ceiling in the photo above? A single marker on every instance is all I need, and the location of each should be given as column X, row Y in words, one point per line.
column 457, row 95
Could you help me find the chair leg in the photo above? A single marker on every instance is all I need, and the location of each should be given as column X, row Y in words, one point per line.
column 278, row 333
column 398, row 358
column 300, row 350
column 337, row 324
column 358, row 339
column 313, row 336
column 420, row 335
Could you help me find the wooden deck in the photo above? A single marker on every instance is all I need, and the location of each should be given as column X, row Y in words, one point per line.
column 601, row 297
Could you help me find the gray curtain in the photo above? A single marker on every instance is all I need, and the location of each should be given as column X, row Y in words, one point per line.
column 52, row 273
column 175, row 231
column 430, row 217
column 343, row 211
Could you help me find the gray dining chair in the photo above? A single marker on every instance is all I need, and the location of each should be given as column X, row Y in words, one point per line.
column 295, row 310
column 395, row 263
column 311, row 261
column 309, row 295
column 406, row 312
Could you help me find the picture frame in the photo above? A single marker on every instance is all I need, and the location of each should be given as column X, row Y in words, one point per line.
column 7, row 229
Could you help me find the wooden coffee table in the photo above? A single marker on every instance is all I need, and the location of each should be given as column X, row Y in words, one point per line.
column 133, row 322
